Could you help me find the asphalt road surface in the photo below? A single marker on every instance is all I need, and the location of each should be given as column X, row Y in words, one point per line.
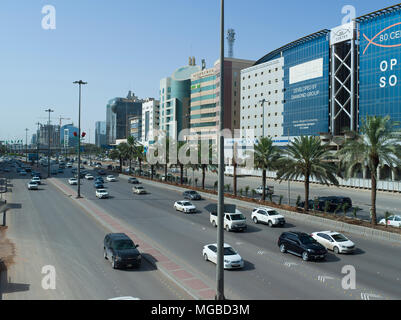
column 50, row 229
column 268, row 274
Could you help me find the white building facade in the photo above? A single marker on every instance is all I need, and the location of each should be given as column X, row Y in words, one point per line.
column 150, row 120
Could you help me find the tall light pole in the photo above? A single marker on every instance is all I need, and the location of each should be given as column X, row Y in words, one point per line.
column 220, row 204
column 80, row 83
column 37, row 144
column 26, row 145
column 48, row 149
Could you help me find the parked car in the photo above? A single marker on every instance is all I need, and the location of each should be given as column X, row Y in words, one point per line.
column 191, row 195
column 22, row 173
column 337, row 200
column 73, row 181
column 32, row 185
column 301, row 244
column 138, row 190
column 234, row 220
column 69, row 165
column 102, row 193
column 232, row 260
column 268, row 190
column 88, row 176
column 334, row 241
column 268, row 216
column 133, row 180
column 184, row 206
column 393, row 220
column 121, row 251
column 111, row 178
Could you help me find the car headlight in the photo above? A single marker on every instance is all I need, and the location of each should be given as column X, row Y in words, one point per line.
column 226, row 261
column 311, row 250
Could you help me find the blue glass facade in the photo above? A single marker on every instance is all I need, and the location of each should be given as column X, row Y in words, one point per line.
column 380, row 66
column 306, row 103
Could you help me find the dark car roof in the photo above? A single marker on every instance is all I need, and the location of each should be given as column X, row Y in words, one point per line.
column 297, row 233
column 118, row 236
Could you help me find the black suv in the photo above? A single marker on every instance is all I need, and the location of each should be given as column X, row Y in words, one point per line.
column 121, row 251
column 192, row 195
column 301, row 244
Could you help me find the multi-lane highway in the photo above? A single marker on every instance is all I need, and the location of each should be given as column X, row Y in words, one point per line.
column 268, row 274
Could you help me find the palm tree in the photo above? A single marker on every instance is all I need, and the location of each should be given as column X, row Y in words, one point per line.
column 140, row 155
column 204, row 166
column 131, row 150
column 266, row 156
column 307, row 158
column 378, row 143
column 124, row 150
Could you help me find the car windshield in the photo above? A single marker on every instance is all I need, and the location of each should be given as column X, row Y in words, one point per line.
column 229, row 251
column 237, row 217
column 339, row 237
column 140, row 188
column 187, row 203
column 307, row 239
column 272, row 213
column 192, row 192
column 123, row 244
column 102, row 191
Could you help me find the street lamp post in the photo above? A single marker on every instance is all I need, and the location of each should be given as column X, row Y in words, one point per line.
column 48, row 149
column 26, row 145
column 80, row 83
column 220, row 204
column 37, row 144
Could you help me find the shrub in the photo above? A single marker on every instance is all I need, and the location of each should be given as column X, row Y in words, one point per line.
column 216, row 183
column 298, row 201
column 247, row 190
column 280, row 200
column 315, row 203
column 270, row 197
column 241, row 191
column 326, row 206
column 354, row 211
column 386, row 216
column 196, row 182
column 345, row 208
column 338, row 208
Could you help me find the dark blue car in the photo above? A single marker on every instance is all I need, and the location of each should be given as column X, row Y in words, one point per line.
column 98, row 185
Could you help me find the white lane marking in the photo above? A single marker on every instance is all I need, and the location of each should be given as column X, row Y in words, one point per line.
column 290, row 264
column 261, row 252
column 367, row 296
column 238, row 243
column 324, row 278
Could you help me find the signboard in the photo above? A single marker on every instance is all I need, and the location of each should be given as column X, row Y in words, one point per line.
column 380, row 67
column 306, row 71
column 342, row 33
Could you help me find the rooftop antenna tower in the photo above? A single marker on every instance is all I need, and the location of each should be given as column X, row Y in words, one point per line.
column 230, row 39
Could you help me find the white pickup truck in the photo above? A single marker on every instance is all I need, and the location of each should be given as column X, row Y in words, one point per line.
column 233, row 221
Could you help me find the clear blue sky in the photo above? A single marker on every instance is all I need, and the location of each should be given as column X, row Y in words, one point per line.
column 124, row 45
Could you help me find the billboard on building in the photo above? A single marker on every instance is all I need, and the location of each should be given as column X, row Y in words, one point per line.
column 380, row 66
column 306, row 82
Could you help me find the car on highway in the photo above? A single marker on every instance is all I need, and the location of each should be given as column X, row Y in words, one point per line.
column 32, row 185
column 22, row 172
column 138, row 190
column 60, row 170
column 268, row 190
column 334, row 241
column 393, row 220
column 69, row 165
column 184, row 206
column 121, row 251
column 73, row 181
column 133, row 180
column 88, row 176
column 234, row 220
column 301, row 244
column 99, row 179
column 268, row 216
column 111, row 178
column 232, row 260
column 102, row 193
column 191, row 195
column 98, row 185
column 36, row 180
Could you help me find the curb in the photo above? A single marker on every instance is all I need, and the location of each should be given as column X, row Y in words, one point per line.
column 319, row 221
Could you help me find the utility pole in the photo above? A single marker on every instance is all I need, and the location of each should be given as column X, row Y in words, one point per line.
column 289, row 195
column 48, row 150
column 26, row 145
column 80, row 83
column 220, row 204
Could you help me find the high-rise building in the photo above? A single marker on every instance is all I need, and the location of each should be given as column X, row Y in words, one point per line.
column 175, row 94
column 150, row 120
column 117, row 112
column 205, row 98
column 67, row 138
column 54, row 135
column 100, row 134
column 135, row 127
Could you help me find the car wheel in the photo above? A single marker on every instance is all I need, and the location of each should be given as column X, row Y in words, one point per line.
column 270, row 224
column 205, row 257
column 104, row 253
column 336, row 250
column 227, row 228
column 282, row 248
column 113, row 263
column 214, row 224
column 305, row 256
column 255, row 220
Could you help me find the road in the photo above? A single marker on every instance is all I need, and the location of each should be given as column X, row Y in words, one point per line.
column 268, row 274
column 50, row 230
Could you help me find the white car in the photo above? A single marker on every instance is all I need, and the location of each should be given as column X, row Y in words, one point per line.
column 32, row 185
column 138, row 190
column 394, row 221
column 89, row 177
column 268, row 190
column 335, row 241
column 232, row 260
column 36, row 179
column 184, row 206
column 102, row 193
column 69, row 165
column 111, row 178
column 268, row 216
column 73, row 181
